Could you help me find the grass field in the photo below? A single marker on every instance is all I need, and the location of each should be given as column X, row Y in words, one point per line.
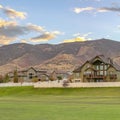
column 27, row 103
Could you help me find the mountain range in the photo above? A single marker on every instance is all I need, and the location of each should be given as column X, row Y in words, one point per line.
column 64, row 56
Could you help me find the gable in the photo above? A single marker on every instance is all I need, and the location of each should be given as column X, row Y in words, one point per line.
column 97, row 61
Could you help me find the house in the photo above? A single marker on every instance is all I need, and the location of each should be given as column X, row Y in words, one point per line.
column 29, row 74
column 98, row 69
column 58, row 74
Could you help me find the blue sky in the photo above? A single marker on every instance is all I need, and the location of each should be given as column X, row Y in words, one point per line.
column 58, row 21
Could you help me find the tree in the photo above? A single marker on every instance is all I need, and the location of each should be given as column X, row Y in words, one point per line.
column 6, row 78
column 15, row 79
column 59, row 77
column 1, row 79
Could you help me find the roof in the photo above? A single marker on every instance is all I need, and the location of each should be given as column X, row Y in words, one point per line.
column 104, row 59
column 79, row 68
column 116, row 66
column 35, row 69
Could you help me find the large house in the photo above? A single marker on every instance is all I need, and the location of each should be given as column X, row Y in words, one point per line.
column 98, row 69
column 30, row 74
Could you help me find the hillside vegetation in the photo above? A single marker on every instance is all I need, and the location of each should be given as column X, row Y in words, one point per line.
column 65, row 56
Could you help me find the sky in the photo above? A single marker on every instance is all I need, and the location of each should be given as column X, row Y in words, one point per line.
column 58, row 21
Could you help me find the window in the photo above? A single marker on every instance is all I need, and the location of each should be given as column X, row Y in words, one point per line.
column 105, row 67
column 30, row 75
column 101, row 72
column 97, row 67
column 105, row 72
column 101, row 67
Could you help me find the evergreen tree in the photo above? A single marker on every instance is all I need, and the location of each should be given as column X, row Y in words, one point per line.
column 15, row 79
column 6, row 78
column 1, row 79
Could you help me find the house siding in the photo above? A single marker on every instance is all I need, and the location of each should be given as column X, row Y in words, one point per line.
column 97, row 70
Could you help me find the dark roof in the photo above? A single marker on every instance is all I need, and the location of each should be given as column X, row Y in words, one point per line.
column 79, row 68
column 116, row 66
column 104, row 59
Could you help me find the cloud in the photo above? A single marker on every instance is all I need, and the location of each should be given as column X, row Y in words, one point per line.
column 11, row 30
column 35, row 27
column 79, row 10
column 6, row 40
column 79, row 38
column 96, row 10
column 83, row 35
column 107, row 9
column 118, row 26
column 11, row 13
column 46, row 36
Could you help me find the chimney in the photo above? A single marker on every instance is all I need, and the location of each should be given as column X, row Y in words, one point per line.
column 110, row 61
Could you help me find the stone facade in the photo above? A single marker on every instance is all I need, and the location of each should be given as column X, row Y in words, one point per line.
column 30, row 75
column 98, row 69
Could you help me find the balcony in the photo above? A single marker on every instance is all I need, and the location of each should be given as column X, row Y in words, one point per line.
column 112, row 76
column 94, row 76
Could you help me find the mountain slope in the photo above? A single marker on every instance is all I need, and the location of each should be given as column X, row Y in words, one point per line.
column 65, row 56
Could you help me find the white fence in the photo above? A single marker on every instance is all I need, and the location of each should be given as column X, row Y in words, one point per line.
column 56, row 84
column 15, row 84
column 76, row 85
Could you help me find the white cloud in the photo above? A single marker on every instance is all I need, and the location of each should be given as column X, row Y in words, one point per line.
column 78, row 37
column 79, row 10
column 46, row 36
column 13, row 13
column 96, row 10
column 118, row 26
column 107, row 9
column 4, row 40
column 11, row 30
column 83, row 35
column 35, row 27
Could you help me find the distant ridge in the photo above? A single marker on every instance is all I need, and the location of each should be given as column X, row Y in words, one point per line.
column 64, row 56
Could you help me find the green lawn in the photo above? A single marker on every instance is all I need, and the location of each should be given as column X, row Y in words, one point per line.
column 27, row 103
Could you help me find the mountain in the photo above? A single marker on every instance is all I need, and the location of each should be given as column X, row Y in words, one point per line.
column 65, row 56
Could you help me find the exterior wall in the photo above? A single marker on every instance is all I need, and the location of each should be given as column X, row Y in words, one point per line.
column 30, row 71
column 79, row 75
column 24, row 76
column 113, row 70
column 96, row 72
column 55, row 84
column 118, row 76
column 83, row 70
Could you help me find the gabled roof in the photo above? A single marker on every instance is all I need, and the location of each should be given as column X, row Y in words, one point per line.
column 102, row 58
column 116, row 66
column 79, row 68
